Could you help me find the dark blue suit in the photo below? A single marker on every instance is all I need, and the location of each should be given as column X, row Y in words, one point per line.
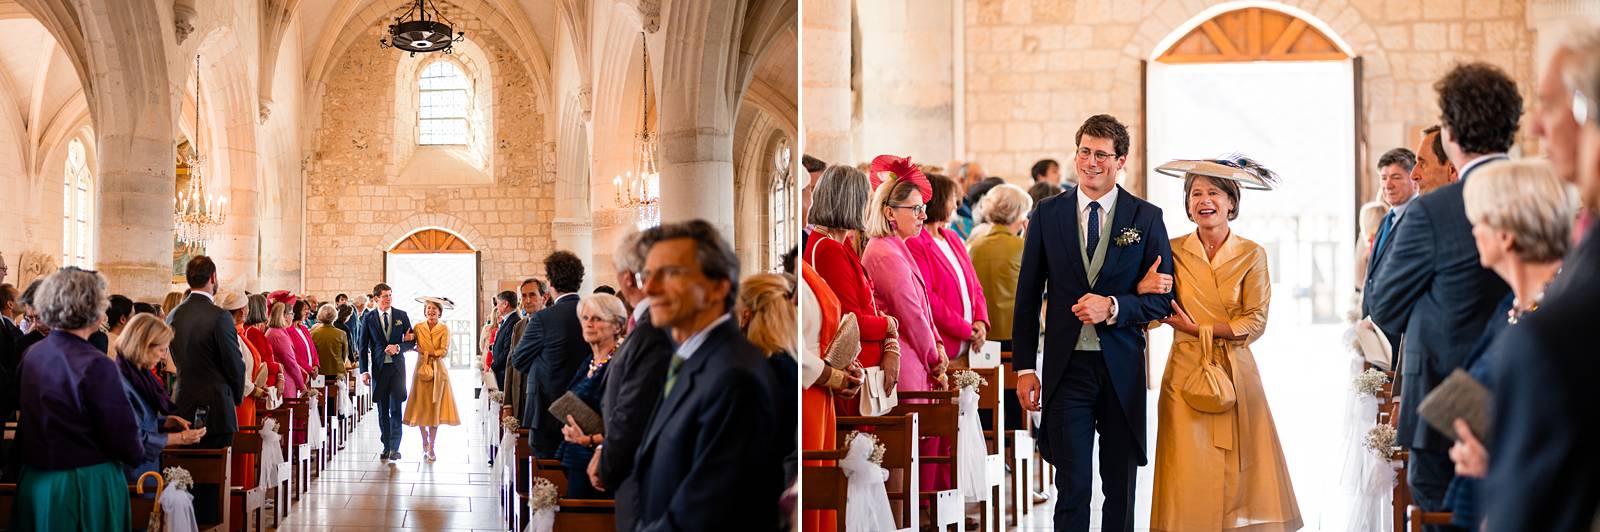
column 501, row 350
column 1431, row 288
column 550, row 353
column 1544, row 473
column 1086, row 391
column 388, row 379
column 711, row 459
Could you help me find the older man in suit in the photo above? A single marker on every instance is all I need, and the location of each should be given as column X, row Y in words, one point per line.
column 1394, row 180
column 383, row 365
column 205, row 348
column 530, row 301
column 713, row 440
column 1430, row 285
column 506, row 315
column 551, row 352
column 632, row 388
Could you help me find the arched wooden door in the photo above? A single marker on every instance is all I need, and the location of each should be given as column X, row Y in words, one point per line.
column 1253, row 34
column 438, row 263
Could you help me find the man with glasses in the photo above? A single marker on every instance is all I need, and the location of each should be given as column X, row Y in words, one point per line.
column 1088, row 247
column 710, row 459
column 550, row 353
column 388, row 338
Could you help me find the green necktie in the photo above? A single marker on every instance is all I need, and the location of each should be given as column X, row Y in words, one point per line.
column 672, row 376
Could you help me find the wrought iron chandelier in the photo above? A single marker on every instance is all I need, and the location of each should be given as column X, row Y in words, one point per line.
column 195, row 214
column 422, row 29
column 640, row 187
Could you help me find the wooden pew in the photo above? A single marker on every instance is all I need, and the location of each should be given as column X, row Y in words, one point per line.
column 286, row 480
column 301, row 456
column 8, row 498
column 991, row 398
column 824, row 487
column 1019, row 452
column 939, row 415
column 899, row 434
column 248, row 505
column 573, row 514
column 209, row 467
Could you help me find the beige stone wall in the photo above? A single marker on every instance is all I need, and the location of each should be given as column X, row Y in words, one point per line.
column 1036, row 68
column 354, row 213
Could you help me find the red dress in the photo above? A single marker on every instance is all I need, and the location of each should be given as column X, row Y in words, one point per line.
column 818, row 421
column 258, row 340
column 840, row 266
column 244, row 465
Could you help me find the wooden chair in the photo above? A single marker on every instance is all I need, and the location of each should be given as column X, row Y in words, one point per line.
column 286, row 480
column 209, row 467
column 1020, row 453
column 301, row 457
column 991, row 398
column 8, row 498
column 939, row 414
column 900, row 435
column 824, row 487
column 249, row 505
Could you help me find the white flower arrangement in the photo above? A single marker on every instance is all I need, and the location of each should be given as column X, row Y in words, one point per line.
column 498, row 397
column 1380, row 440
column 510, row 423
column 966, row 378
column 178, row 478
column 1369, row 382
column 543, row 495
column 878, row 448
column 1128, row 237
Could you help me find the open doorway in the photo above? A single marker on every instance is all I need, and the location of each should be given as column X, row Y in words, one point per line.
column 435, row 262
column 1277, row 86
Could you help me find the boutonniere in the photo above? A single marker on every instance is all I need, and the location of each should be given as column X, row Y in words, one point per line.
column 396, row 322
column 1129, row 236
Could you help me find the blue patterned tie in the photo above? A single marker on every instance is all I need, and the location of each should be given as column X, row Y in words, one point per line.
column 1383, row 234
column 672, row 376
column 1094, row 229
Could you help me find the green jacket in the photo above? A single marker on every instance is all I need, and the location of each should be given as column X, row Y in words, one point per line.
column 997, row 259
column 333, row 346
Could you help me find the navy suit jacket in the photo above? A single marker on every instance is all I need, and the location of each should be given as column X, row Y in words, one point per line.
column 1051, row 262
column 1430, row 283
column 711, row 459
column 551, row 352
column 501, row 350
column 376, row 342
column 1545, row 474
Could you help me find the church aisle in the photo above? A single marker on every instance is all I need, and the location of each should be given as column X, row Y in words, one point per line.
column 358, row 492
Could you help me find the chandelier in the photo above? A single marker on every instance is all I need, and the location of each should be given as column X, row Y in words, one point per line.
column 195, row 214
column 421, row 29
column 640, row 187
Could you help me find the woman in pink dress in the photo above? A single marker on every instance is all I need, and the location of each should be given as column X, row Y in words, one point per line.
column 960, row 312
column 895, row 213
column 305, row 349
column 281, row 339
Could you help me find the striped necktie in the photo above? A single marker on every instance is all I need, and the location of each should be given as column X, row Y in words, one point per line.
column 672, row 376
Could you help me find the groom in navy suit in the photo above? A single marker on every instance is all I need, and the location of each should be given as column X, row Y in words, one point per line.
column 1086, row 250
column 388, row 337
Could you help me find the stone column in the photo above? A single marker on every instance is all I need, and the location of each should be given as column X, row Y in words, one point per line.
column 826, row 80
column 136, row 189
column 907, row 91
column 697, row 111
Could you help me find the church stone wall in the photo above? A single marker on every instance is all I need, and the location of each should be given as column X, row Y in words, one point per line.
column 354, row 213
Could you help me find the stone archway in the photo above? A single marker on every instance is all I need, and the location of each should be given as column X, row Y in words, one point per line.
column 436, row 262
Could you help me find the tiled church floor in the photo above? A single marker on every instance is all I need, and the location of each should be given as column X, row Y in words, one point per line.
column 360, row 492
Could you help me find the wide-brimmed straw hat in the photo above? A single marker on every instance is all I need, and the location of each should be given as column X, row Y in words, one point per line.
column 444, row 302
column 230, row 300
column 1234, row 166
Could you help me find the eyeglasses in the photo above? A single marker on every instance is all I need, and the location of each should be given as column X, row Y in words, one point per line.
column 1099, row 156
column 591, row 319
column 920, row 208
column 664, row 272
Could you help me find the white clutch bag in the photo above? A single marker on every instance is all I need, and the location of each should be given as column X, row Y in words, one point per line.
column 876, row 399
column 1375, row 346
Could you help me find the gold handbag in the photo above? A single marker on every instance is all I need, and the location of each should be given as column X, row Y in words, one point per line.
column 1209, row 389
column 425, row 370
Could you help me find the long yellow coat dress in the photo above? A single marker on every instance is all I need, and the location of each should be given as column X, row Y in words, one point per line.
column 432, row 403
column 1220, row 471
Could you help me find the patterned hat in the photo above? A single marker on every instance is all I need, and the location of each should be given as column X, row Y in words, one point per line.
column 899, row 168
column 1234, row 166
column 444, row 302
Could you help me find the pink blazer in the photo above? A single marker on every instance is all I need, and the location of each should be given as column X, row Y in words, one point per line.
column 305, row 350
column 283, row 349
column 898, row 288
column 944, row 290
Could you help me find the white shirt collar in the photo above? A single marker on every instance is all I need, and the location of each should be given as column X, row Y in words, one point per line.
column 638, row 312
column 1106, row 201
column 688, row 347
column 1400, row 210
column 1467, row 168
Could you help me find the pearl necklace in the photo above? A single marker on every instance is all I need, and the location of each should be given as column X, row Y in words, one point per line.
column 1516, row 313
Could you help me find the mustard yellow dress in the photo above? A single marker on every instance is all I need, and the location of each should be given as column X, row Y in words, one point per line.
column 1220, row 471
column 432, row 403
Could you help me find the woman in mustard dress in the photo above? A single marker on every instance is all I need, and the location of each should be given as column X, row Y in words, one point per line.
column 432, row 403
column 1222, row 471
